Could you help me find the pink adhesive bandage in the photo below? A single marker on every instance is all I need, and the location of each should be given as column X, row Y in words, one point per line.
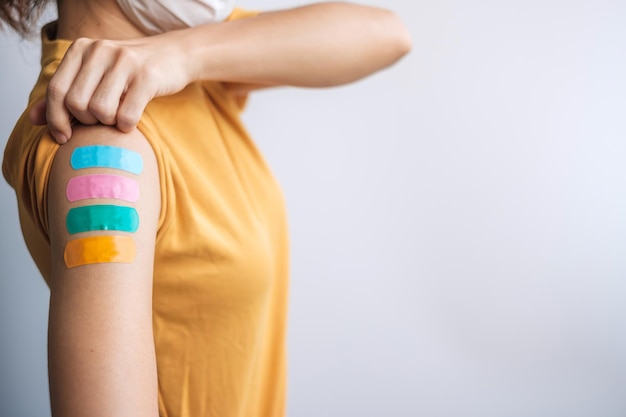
column 102, row 186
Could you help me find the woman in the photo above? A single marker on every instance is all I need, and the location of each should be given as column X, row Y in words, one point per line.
column 157, row 225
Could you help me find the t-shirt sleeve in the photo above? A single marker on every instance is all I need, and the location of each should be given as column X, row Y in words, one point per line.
column 27, row 162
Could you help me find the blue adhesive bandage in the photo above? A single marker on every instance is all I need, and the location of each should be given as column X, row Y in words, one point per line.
column 100, row 156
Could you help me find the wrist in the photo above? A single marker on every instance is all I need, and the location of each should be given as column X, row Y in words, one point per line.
column 176, row 50
column 186, row 52
column 190, row 48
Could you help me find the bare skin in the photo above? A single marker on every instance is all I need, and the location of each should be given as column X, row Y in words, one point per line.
column 110, row 82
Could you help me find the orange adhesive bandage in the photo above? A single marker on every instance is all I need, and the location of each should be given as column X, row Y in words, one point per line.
column 99, row 249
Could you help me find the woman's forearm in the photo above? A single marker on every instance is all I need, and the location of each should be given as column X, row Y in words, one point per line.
column 319, row 45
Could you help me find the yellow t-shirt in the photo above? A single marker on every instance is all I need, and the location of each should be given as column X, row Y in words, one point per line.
column 221, row 256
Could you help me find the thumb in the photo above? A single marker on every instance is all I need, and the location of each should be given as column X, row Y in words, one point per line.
column 37, row 114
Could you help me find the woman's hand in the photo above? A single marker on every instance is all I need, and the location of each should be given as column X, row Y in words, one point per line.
column 111, row 82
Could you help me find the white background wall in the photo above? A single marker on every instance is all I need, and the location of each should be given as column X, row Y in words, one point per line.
column 458, row 221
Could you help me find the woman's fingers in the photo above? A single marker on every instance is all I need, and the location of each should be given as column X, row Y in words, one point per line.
column 107, row 98
column 57, row 114
column 102, row 80
column 108, row 82
column 95, row 62
column 77, row 91
column 139, row 94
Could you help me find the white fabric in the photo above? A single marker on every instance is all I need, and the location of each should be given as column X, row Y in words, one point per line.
column 159, row 16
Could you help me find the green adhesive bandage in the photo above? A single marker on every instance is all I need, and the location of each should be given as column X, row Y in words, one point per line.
column 102, row 217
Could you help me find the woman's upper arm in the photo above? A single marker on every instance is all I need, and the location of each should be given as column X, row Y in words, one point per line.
column 103, row 207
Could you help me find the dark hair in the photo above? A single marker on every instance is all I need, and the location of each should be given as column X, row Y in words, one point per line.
column 21, row 15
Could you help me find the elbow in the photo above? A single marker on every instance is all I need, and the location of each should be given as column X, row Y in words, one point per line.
column 404, row 42
column 400, row 41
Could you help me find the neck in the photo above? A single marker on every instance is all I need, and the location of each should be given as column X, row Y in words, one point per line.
column 96, row 19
